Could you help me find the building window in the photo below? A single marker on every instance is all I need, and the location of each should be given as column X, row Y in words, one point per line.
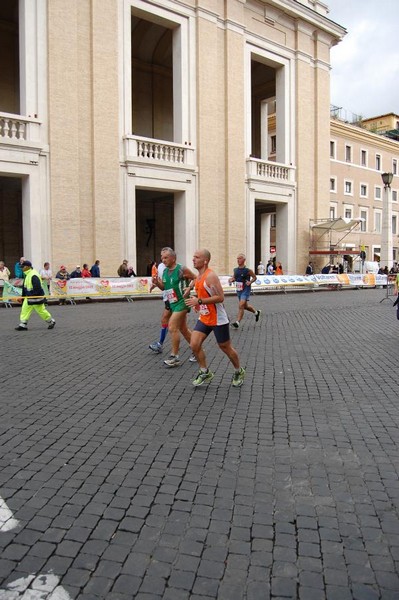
column 348, row 187
column 376, row 253
column 394, row 224
column 348, row 153
column 394, row 166
column 348, row 212
column 363, row 224
column 378, row 162
column 273, row 220
column 377, row 193
column 333, row 211
column 394, row 196
column 332, row 149
column 273, row 145
column 377, row 221
column 363, row 190
column 363, row 158
column 333, row 184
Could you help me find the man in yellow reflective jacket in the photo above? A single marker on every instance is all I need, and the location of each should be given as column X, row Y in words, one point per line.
column 34, row 298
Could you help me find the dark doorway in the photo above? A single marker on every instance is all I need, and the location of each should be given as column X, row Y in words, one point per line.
column 263, row 89
column 9, row 57
column 11, row 240
column 152, row 80
column 263, row 253
column 154, row 226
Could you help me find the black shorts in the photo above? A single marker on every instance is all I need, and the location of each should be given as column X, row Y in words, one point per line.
column 222, row 332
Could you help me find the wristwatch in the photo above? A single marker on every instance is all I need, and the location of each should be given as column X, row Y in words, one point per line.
column 199, row 301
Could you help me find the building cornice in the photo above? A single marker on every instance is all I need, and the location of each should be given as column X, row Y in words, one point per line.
column 361, row 134
column 296, row 9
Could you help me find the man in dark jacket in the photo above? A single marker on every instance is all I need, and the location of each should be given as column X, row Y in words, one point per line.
column 95, row 270
column 76, row 273
column 33, row 298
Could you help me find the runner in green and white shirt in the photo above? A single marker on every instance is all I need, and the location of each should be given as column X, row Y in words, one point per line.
column 175, row 280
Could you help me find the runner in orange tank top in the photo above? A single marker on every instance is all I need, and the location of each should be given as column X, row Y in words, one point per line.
column 212, row 317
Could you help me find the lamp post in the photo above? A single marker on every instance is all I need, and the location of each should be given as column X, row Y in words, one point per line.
column 386, row 238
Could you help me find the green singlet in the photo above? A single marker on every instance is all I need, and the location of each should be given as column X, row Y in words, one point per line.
column 175, row 283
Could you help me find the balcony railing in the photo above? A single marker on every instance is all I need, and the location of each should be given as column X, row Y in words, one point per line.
column 268, row 170
column 16, row 129
column 147, row 150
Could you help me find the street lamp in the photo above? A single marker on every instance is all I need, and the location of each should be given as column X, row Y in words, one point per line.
column 386, row 238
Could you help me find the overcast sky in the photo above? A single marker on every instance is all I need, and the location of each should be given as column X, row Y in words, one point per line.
column 365, row 65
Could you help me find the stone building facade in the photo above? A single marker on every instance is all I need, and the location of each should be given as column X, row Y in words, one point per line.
column 359, row 157
column 128, row 125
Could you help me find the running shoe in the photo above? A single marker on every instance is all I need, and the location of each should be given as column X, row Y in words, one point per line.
column 193, row 358
column 21, row 328
column 203, row 378
column 238, row 378
column 235, row 325
column 172, row 361
column 257, row 316
column 156, row 347
column 51, row 324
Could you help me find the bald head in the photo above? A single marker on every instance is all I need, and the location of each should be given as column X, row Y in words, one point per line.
column 201, row 259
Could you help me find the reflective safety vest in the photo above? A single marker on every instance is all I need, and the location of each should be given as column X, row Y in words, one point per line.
column 33, row 287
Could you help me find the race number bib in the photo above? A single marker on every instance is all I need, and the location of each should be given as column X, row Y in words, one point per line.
column 171, row 296
column 239, row 286
column 203, row 309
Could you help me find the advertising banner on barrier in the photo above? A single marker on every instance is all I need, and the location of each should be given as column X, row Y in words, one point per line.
column 130, row 286
column 10, row 292
column 269, row 281
column 92, row 286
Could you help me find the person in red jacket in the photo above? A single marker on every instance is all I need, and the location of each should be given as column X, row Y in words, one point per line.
column 85, row 271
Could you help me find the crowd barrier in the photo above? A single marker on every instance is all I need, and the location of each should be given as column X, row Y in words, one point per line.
column 113, row 287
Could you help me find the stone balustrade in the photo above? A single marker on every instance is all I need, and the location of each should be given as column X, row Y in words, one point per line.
column 15, row 129
column 147, row 150
column 268, row 170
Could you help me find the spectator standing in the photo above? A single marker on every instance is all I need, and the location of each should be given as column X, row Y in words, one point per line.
column 261, row 268
column 270, row 268
column 95, row 270
column 279, row 269
column 4, row 272
column 46, row 274
column 309, row 269
column 326, row 269
column 64, row 276
column 63, row 273
column 18, row 272
column 85, row 271
column 123, row 269
column 77, row 273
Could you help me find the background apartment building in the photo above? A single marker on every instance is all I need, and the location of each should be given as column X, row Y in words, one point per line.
column 358, row 158
column 128, row 125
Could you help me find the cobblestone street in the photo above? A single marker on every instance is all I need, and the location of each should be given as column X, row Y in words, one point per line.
column 119, row 480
